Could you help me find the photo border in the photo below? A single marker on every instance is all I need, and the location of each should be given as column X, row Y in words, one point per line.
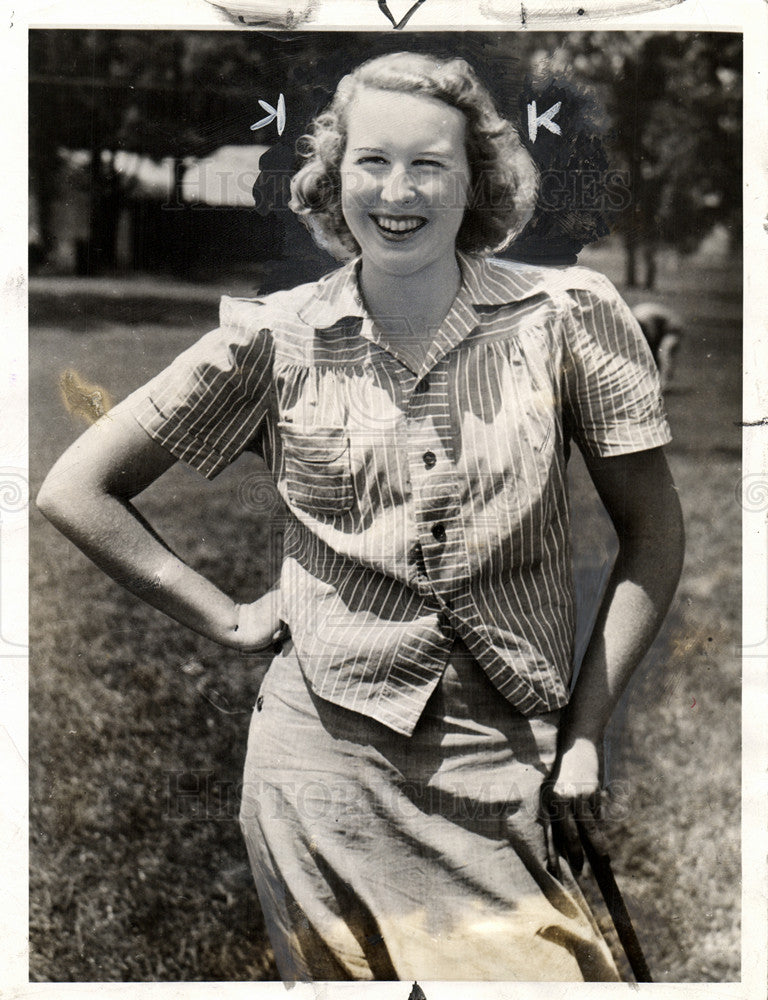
column 712, row 15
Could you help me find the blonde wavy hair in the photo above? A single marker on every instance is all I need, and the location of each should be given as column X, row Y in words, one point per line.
column 503, row 175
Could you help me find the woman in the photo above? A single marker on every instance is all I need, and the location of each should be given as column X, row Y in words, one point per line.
column 414, row 408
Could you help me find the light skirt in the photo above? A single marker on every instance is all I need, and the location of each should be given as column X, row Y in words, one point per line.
column 380, row 856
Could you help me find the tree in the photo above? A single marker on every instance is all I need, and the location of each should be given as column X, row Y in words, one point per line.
column 183, row 94
column 674, row 101
column 160, row 94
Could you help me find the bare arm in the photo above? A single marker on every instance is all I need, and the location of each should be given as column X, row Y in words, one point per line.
column 87, row 496
column 640, row 497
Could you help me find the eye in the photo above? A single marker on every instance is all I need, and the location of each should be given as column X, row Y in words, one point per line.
column 370, row 159
column 432, row 164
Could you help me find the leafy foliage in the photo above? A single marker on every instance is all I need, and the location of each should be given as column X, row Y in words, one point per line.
column 674, row 104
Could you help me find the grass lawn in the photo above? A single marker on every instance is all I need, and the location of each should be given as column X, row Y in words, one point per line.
column 138, row 727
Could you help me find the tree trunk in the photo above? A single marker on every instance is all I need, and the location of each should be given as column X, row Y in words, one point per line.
column 630, row 273
column 178, row 182
column 649, row 255
column 41, row 184
column 89, row 260
column 106, row 202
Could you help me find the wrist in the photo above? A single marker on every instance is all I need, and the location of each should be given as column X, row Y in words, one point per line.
column 582, row 721
column 573, row 738
column 586, row 745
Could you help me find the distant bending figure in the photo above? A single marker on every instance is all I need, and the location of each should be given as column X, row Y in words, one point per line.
column 663, row 330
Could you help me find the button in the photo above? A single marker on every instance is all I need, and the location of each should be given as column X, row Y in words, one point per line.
column 417, row 559
column 438, row 530
column 429, row 459
column 422, row 386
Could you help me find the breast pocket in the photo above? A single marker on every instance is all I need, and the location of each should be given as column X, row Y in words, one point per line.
column 318, row 469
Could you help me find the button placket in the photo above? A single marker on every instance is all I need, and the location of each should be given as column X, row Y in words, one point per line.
column 435, row 489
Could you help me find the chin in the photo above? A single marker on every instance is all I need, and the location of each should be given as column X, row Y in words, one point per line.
column 403, row 258
column 400, row 265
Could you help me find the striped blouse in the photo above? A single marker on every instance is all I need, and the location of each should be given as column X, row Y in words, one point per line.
column 423, row 500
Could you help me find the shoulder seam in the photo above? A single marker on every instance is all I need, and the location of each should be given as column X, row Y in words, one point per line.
column 264, row 310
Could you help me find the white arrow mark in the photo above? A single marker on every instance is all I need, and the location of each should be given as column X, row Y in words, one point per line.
column 272, row 113
column 545, row 120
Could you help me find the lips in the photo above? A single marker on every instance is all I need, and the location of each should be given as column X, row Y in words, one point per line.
column 398, row 227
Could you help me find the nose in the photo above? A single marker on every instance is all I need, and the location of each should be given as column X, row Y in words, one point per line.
column 399, row 188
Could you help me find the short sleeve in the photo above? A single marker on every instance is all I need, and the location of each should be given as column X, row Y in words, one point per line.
column 612, row 395
column 211, row 402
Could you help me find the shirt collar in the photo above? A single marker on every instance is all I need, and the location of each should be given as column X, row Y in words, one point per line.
column 486, row 281
column 335, row 297
column 491, row 281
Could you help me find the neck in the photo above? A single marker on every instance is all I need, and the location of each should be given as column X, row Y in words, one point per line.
column 411, row 302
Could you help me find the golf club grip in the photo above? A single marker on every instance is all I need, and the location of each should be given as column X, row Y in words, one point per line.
column 600, row 864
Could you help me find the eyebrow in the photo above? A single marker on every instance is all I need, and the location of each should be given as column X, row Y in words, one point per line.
column 424, row 152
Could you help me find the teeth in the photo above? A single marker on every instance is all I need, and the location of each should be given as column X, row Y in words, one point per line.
column 398, row 225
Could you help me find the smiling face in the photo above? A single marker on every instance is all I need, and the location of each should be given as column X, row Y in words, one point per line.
column 404, row 180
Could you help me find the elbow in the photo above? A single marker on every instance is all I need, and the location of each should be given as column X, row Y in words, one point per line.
column 64, row 500
column 52, row 500
column 46, row 500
